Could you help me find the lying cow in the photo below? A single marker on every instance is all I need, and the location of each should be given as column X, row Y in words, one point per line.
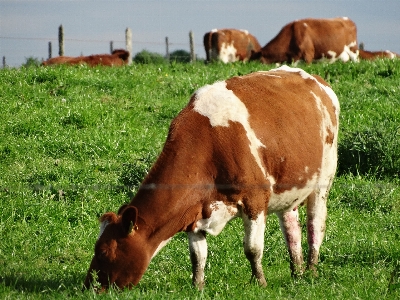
column 118, row 57
column 229, row 45
column 246, row 147
column 312, row 39
column 371, row 55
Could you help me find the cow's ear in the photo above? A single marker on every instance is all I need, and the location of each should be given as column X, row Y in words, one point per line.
column 129, row 219
column 121, row 209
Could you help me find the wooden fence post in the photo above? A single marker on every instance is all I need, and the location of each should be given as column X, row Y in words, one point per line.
column 50, row 50
column 192, row 55
column 111, row 47
column 128, row 43
column 60, row 41
column 4, row 62
column 167, row 48
column 361, row 47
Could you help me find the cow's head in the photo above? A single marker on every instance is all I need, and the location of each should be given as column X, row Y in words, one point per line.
column 255, row 55
column 120, row 254
column 258, row 56
column 122, row 54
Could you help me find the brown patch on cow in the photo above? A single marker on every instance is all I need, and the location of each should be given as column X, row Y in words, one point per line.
column 206, row 211
column 330, row 136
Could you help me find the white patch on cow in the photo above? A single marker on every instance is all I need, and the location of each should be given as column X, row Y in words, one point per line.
column 221, row 105
column 103, row 226
column 162, row 244
column 347, row 54
column 345, row 18
column 391, row 54
column 332, row 54
column 305, row 24
column 272, row 75
column 198, row 248
column 214, row 30
column 227, row 53
column 332, row 96
column 289, row 223
column 302, row 73
column 220, row 216
column 254, row 235
column 244, row 31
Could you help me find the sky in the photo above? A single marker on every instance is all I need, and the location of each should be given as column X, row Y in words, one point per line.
column 27, row 27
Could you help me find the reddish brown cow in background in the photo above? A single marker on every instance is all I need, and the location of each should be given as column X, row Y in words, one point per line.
column 312, row 39
column 229, row 45
column 371, row 55
column 118, row 57
column 246, row 147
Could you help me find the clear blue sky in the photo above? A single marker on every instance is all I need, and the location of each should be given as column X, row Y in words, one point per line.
column 26, row 27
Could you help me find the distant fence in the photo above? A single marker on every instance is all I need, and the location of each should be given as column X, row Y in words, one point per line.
column 128, row 44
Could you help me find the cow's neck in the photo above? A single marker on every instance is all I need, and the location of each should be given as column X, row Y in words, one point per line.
column 170, row 199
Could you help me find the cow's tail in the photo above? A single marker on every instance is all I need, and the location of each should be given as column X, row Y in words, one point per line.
column 210, row 44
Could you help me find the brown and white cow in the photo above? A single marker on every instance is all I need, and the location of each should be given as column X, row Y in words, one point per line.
column 118, row 57
column 229, row 45
column 246, row 147
column 371, row 55
column 312, row 39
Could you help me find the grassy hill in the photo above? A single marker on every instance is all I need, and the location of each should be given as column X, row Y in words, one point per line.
column 75, row 142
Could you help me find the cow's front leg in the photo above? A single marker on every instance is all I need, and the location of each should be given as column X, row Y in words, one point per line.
column 198, row 257
column 291, row 230
column 253, row 244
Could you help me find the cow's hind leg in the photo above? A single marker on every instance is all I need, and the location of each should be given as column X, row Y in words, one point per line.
column 291, row 230
column 253, row 244
column 198, row 257
column 316, row 218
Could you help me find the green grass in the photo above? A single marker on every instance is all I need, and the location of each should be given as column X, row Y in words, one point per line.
column 75, row 142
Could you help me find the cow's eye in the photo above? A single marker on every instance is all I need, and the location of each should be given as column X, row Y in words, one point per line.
column 106, row 251
column 102, row 255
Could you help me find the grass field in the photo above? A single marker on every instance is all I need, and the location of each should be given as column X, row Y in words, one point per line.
column 75, row 142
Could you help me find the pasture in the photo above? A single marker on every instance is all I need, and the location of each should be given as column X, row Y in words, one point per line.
column 75, row 142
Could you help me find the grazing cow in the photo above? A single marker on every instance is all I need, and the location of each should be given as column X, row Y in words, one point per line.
column 118, row 57
column 245, row 147
column 312, row 39
column 371, row 55
column 229, row 45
